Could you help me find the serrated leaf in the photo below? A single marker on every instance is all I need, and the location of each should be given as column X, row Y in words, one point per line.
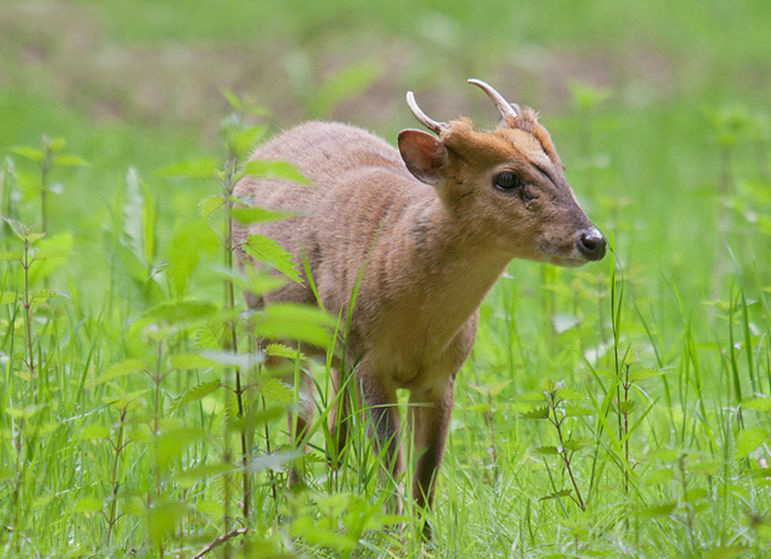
column 750, row 439
column 266, row 250
column 69, row 160
column 282, row 350
column 10, row 255
column 274, row 170
column 258, row 215
column 546, row 450
column 209, row 204
column 199, row 392
column 255, row 281
column 205, row 168
column 53, row 253
column 28, row 152
column 574, row 445
column 538, row 413
column 288, row 321
column 186, row 246
column 275, row 391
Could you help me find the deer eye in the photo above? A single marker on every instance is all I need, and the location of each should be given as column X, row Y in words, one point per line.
column 507, row 181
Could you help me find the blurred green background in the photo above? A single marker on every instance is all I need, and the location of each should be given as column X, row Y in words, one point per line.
column 660, row 112
column 138, row 83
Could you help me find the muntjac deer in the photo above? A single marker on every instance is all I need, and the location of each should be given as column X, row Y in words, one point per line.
column 427, row 230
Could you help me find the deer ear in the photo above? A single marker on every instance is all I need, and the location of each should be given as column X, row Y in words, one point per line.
column 424, row 155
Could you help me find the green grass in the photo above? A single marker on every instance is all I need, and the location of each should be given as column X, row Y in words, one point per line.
column 121, row 428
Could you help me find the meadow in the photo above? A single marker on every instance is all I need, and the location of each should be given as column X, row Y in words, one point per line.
column 620, row 410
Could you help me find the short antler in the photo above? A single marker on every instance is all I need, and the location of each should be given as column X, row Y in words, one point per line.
column 507, row 110
column 422, row 117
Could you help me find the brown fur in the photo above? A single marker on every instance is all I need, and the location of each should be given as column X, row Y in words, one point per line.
column 428, row 254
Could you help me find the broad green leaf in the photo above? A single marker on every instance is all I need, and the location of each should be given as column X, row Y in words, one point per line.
column 287, row 321
column 187, row 478
column 94, row 432
column 664, row 509
column 53, row 253
column 706, row 467
column 762, row 404
column 255, row 281
column 87, row 505
column 662, row 475
column 119, row 369
column 274, row 461
column 257, row 215
column 28, row 152
column 750, row 439
column 170, row 445
column 9, row 297
column 69, row 160
column 275, row 391
column 538, row 413
column 546, row 450
column 163, row 517
column 274, row 170
column 232, row 99
column 244, row 140
column 199, row 392
column 186, row 246
column 205, row 168
column 179, row 311
column 575, row 411
column 282, row 350
column 209, row 204
column 266, row 250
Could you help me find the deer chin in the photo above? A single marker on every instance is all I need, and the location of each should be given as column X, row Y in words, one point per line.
column 567, row 261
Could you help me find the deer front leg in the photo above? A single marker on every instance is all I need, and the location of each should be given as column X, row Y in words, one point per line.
column 431, row 421
column 380, row 400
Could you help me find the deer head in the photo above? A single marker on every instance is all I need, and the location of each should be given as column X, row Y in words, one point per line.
column 506, row 186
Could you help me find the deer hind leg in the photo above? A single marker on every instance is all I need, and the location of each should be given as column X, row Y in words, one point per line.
column 380, row 402
column 430, row 414
column 339, row 417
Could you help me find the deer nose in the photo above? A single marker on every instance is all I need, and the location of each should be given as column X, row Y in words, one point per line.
column 591, row 244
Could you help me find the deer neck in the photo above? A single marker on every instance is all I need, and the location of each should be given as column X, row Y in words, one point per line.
column 447, row 268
